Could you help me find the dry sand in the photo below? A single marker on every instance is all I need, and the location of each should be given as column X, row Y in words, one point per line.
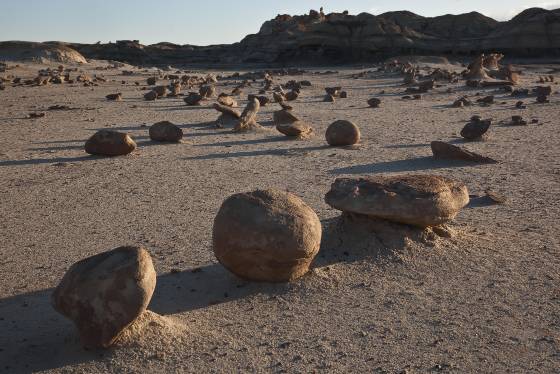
column 484, row 301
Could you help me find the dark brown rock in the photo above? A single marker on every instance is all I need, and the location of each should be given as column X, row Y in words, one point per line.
column 109, row 143
column 446, row 151
column 165, row 131
column 341, row 133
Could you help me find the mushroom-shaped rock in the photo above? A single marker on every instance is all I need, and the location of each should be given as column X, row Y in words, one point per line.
column 105, row 293
column 110, row 143
column 419, row 200
column 284, row 116
column 342, row 132
column 266, row 235
column 165, row 131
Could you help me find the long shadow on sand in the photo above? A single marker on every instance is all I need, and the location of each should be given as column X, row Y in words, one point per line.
column 414, row 164
column 264, row 152
column 31, row 328
column 38, row 161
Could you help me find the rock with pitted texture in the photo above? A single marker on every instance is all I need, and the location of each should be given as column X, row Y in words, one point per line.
column 342, row 132
column 110, row 143
column 419, row 200
column 266, row 235
column 106, row 293
column 165, row 131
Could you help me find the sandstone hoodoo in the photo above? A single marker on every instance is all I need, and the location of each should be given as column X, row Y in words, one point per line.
column 248, row 119
column 229, row 117
column 165, row 131
column 266, row 235
column 419, row 200
column 110, row 143
column 105, row 293
column 341, row 133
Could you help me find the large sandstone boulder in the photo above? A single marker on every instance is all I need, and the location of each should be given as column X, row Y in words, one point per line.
column 266, row 235
column 419, row 200
column 110, row 143
column 165, row 131
column 105, row 293
column 342, row 132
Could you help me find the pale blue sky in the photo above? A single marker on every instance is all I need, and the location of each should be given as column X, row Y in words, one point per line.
column 201, row 22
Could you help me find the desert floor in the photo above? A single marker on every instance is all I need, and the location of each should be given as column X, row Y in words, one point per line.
column 484, row 301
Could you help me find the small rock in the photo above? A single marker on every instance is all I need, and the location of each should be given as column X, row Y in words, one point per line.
column 341, row 133
column 165, row 131
column 110, row 143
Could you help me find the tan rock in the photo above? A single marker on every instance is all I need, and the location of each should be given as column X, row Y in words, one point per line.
column 419, row 200
column 109, row 143
column 266, row 235
column 105, row 293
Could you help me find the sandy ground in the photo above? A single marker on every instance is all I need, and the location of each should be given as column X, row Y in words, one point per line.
column 484, row 301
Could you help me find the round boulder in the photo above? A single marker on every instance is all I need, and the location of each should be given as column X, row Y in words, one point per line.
column 109, row 143
column 342, row 133
column 106, row 293
column 266, row 235
column 419, row 200
column 165, row 131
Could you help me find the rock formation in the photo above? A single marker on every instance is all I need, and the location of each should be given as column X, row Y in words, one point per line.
column 109, row 143
column 266, row 235
column 342, row 132
column 419, row 200
column 165, row 131
column 105, row 293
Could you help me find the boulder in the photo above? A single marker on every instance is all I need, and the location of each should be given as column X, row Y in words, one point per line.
column 374, row 102
column 151, row 96
column 419, row 200
column 475, row 129
column 161, row 91
column 446, row 151
column 207, row 91
column 266, row 235
column 110, row 143
column 284, row 116
column 227, row 100
column 193, row 98
column 151, row 81
column 298, row 129
column 106, row 293
column 342, row 132
column 165, row 131
column 248, row 119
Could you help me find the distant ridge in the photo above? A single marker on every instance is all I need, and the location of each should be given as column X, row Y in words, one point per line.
column 318, row 38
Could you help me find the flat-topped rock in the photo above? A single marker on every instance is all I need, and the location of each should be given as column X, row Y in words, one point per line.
column 419, row 200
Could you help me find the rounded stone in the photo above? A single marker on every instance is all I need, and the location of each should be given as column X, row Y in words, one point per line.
column 165, row 131
column 266, row 235
column 342, row 132
column 105, row 293
column 110, row 143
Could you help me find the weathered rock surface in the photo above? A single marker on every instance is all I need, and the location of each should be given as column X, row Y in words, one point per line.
column 266, row 235
column 475, row 129
column 419, row 200
column 110, row 143
column 105, row 293
column 298, row 129
column 342, row 132
column 165, row 131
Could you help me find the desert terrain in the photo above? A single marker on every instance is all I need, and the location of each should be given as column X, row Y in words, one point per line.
column 378, row 300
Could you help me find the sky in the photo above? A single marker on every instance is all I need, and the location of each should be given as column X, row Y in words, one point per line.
column 202, row 22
